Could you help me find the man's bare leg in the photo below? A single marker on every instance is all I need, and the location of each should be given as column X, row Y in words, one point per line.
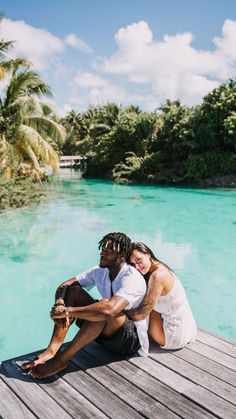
column 75, row 297
column 58, row 336
column 88, row 332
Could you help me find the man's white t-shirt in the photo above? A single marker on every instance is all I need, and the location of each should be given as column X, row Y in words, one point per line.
column 129, row 284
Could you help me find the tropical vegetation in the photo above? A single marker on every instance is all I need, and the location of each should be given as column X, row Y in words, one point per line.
column 30, row 131
column 175, row 144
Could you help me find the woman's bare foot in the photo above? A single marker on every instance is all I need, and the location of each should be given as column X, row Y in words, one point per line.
column 49, row 368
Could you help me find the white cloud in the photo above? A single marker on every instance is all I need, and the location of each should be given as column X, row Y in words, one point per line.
column 73, row 41
column 172, row 67
column 38, row 45
column 133, row 35
column 143, row 70
column 226, row 44
column 86, row 79
column 89, row 88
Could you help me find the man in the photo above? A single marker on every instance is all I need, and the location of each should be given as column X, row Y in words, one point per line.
column 121, row 286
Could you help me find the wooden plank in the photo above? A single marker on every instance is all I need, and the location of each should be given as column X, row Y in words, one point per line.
column 10, row 406
column 165, row 395
column 212, row 367
column 224, row 339
column 216, row 342
column 194, row 392
column 126, row 391
column 195, row 374
column 213, row 354
column 208, row 388
column 103, row 399
column 68, row 398
column 31, row 394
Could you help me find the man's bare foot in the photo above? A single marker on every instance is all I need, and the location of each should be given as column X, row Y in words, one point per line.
column 41, row 359
column 29, row 364
column 49, row 368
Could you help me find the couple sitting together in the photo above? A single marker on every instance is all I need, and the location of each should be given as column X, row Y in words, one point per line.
column 141, row 296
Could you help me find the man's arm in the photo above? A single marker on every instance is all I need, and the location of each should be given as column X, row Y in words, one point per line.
column 153, row 292
column 102, row 310
column 61, row 290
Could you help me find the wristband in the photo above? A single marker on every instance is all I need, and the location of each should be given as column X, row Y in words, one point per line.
column 67, row 311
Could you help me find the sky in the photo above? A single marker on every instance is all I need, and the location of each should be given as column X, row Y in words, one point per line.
column 139, row 52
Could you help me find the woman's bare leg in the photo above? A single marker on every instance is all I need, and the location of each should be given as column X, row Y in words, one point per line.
column 155, row 329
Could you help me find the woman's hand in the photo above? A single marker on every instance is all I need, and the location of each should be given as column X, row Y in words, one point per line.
column 131, row 313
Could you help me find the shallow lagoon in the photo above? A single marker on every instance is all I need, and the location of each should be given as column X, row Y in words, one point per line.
column 192, row 230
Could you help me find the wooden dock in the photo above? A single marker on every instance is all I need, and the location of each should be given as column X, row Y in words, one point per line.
column 72, row 161
column 198, row 381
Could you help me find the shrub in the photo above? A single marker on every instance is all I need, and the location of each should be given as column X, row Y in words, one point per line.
column 198, row 167
column 19, row 192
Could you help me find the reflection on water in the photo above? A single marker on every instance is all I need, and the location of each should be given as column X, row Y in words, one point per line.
column 191, row 230
column 21, row 241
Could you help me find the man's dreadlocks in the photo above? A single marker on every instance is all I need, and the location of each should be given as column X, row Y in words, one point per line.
column 120, row 242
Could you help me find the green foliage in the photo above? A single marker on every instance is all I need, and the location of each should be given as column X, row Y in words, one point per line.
column 214, row 121
column 127, row 170
column 29, row 128
column 173, row 135
column 198, row 167
column 130, row 132
column 19, row 192
column 30, row 132
column 173, row 145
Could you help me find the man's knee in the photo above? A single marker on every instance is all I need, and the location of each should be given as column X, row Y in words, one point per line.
column 77, row 296
column 112, row 325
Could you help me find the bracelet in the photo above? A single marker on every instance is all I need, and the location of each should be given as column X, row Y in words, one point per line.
column 67, row 310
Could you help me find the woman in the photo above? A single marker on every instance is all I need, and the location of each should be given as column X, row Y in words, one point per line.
column 171, row 322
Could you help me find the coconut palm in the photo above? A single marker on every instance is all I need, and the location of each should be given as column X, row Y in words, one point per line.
column 4, row 47
column 29, row 128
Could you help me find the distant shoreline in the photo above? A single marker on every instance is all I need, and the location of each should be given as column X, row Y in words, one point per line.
column 228, row 181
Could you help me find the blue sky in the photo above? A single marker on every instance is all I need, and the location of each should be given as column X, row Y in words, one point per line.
column 132, row 51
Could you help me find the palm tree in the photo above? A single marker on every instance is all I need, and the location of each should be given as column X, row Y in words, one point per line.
column 4, row 47
column 29, row 128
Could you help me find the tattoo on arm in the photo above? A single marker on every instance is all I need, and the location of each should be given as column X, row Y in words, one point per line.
column 153, row 292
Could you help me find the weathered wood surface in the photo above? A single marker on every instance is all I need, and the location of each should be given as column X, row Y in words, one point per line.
column 198, row 381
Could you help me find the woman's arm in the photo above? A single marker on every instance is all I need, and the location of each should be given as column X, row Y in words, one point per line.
column 153, row 292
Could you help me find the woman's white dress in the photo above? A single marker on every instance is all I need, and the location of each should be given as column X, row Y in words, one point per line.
column 178, row 321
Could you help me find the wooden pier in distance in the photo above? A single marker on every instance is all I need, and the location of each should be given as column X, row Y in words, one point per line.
column 72, row 161
column 195, row 382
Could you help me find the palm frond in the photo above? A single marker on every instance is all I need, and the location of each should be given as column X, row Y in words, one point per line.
column 26, row 105
column 40, row 147
column 25, row 83
column 49, row 111
column 4, row 47
column 44, row 125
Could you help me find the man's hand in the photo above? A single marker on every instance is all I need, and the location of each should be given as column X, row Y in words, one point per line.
column 59, row 315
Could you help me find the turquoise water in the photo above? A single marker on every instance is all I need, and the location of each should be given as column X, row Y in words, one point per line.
column 192, row 230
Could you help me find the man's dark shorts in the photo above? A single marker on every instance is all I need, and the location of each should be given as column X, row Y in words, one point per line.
column 124, row 342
